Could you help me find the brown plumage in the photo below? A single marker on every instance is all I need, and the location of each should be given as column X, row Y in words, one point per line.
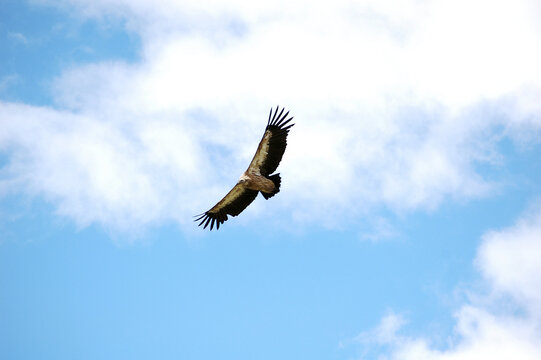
column 257, row 177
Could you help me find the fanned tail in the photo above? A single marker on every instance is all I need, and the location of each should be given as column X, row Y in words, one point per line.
column 277, row 181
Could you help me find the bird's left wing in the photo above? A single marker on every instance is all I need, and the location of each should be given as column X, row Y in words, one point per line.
column 236, row 200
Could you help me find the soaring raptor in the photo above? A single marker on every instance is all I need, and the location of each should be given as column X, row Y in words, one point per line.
column 257, row 178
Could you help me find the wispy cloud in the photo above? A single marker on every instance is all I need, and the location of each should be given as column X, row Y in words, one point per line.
column 7, row 81
column 385, row 332
column 485, row 328
column 394, row 107
column 18, row 37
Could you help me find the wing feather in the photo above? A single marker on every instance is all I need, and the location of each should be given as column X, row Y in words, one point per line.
column 273, row 144
column 236, row 200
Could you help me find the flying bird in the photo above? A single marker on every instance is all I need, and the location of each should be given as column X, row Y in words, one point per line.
column 257, row 178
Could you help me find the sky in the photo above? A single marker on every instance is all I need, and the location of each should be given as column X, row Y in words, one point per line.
column 408, row 225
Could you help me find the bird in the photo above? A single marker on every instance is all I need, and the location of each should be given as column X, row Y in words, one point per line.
column 257, row 178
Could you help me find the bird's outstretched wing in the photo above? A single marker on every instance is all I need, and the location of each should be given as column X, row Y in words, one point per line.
column 273, row 144
column 232, row 204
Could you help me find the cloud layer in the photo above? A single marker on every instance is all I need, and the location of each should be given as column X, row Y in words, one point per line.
column 395, row 107
column 487, row 327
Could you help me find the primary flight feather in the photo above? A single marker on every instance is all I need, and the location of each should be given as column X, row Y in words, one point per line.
column 257, row 178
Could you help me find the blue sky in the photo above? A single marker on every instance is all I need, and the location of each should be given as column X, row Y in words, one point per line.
column 409, row 221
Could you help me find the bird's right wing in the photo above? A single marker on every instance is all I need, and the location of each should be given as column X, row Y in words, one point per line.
column 233, row 204
column 273, row 144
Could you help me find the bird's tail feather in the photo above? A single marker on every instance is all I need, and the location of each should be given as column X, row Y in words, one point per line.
column 277, row 181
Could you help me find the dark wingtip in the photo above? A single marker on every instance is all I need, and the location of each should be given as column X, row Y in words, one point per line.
column 284, row 123
column 276, row 112
column 287, row 127
column 279, row 116
column 206, row 219
column 202, row 221
column 278, row 119
column 207, row 222
column 198, row 216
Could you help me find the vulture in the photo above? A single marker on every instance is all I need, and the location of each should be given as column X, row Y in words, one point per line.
column 257, row 178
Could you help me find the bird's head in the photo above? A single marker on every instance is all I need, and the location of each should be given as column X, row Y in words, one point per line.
column 243, row 178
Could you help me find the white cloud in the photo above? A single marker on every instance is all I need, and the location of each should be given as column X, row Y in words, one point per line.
column 485, row 329
column 509, row 259
column 96, row 171
column 383, row 96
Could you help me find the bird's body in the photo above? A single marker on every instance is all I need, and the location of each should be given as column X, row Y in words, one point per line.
column 257, row 177
column 257, row 182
